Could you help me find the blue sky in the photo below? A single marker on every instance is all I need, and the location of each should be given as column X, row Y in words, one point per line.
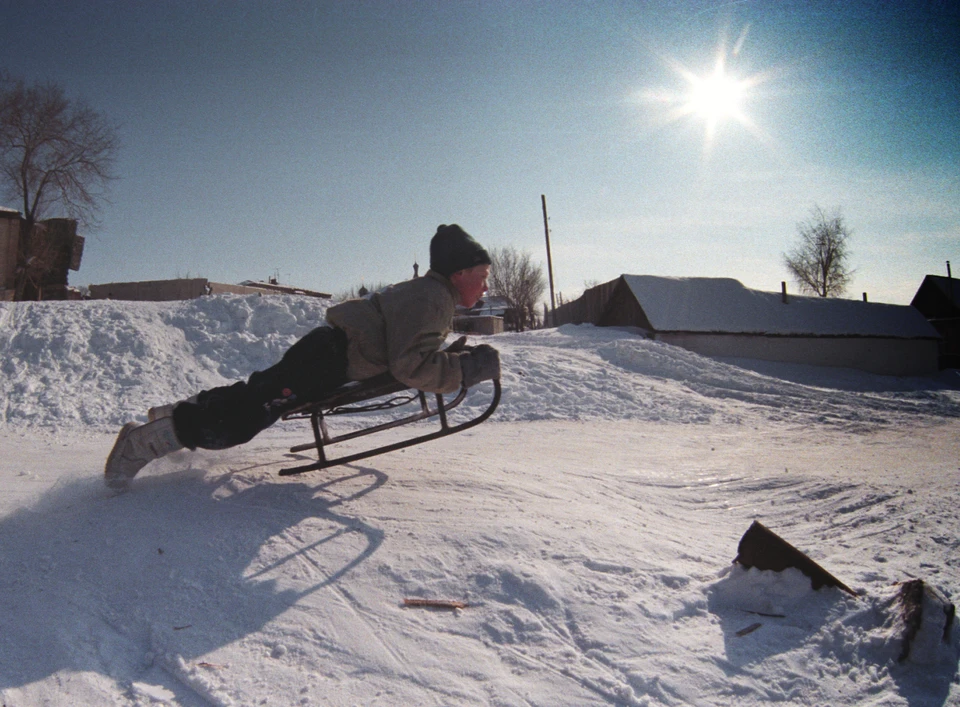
column 325, row 141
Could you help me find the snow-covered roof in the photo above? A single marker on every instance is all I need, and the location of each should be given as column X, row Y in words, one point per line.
column 705, row 304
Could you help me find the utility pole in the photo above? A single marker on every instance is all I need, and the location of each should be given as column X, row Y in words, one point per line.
column 546, row 231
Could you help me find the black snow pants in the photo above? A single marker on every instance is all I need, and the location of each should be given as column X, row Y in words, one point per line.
column 234, row 414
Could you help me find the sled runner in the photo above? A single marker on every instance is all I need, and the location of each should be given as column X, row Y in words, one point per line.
column 383, row 392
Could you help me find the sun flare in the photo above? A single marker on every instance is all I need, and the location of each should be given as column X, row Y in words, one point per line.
column 713, row 98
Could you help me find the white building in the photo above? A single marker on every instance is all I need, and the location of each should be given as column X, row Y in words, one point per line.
column 720, row 317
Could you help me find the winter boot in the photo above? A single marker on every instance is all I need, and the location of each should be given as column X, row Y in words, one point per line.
column 136, row 446
column 155, row 413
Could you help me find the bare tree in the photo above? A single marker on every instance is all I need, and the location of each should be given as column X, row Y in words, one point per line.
column 53, row 152
column 819, row 261
column 514, row 277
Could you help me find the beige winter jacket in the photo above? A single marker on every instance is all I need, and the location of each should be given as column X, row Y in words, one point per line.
column 401, row 330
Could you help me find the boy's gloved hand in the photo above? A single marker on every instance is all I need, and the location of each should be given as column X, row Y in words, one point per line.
column 458, row 346
column 481, row 363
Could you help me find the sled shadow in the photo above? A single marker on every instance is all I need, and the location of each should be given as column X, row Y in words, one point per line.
column 183, row 564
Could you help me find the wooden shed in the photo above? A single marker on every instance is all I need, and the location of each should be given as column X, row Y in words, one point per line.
column 938, row 299
column 9, row 235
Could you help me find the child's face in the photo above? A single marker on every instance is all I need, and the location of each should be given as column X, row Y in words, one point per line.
column 471, row 283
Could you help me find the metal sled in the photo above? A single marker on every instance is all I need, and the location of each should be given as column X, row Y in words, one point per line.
column 383, row 392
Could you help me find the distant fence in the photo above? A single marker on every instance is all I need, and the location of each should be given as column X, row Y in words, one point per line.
column 586, row 309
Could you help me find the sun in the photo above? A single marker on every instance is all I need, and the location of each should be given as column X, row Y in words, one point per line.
column 716, row 97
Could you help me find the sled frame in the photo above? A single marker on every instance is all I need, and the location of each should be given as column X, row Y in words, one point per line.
column 382, row 392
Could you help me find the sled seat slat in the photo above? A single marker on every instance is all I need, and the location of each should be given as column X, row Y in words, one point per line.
column 351, row 394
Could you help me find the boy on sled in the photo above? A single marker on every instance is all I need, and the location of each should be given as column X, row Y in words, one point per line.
column 399, row 330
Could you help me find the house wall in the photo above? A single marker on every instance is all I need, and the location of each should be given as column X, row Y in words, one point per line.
column 881, row 355
column 478, row 325
column 622, row 309
column 150, row 290
column 949, row 329
column 169, row 290
column 220, row 288
column 938, row 299
column 9, row 236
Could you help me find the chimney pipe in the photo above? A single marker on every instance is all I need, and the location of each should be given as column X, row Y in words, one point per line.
column 864, row 296
column 950, row 280
column 783, row 291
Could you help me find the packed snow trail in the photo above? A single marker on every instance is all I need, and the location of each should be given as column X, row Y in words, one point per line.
column 596, row 573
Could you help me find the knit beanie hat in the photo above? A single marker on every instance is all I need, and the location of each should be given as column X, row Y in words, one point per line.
column 453, row 249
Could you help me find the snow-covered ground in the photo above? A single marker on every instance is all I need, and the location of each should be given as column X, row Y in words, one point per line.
column 590, row 528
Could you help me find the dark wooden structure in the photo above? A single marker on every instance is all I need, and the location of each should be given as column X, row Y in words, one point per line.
column 938, row 299
column 760, row 547
column 55, row 249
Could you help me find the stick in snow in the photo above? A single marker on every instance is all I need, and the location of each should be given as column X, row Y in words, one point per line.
column 436, row 603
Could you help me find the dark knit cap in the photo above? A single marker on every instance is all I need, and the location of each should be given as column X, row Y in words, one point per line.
column 453, row 249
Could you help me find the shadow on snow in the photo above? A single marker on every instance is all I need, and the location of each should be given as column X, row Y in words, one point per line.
column 101, row 583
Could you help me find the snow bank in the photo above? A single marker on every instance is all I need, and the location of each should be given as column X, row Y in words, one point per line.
column 101, row 363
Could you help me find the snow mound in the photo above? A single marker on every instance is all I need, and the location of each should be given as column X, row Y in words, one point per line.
column 101, row 363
